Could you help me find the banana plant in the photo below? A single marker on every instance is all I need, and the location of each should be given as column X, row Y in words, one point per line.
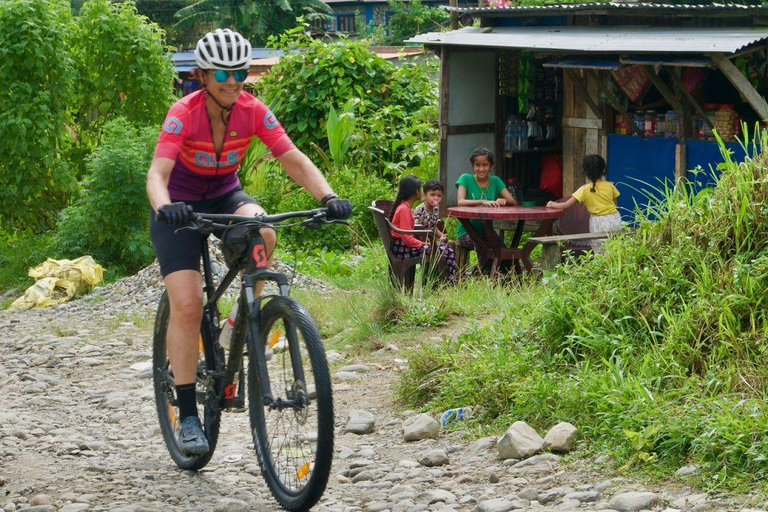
column 339, row 128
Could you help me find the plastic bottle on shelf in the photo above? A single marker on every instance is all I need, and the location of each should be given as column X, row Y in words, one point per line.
column 509, row 134
column 522, row 138
column 672, row 128
column 225, row 336
column 648, row 124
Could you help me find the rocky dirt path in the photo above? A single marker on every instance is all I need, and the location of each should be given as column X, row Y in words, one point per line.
column 78, row 432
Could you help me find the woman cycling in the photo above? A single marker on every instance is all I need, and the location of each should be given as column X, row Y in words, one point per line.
column 203, row 138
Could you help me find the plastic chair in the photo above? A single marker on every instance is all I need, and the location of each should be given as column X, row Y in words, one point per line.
column 402, row 272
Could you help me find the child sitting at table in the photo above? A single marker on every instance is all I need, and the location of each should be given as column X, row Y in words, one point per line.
column 407, row 246
column 599, row 197
column 427, row 214
column 481, row 188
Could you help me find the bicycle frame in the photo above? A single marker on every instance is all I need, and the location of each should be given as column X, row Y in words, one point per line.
column 255, row 270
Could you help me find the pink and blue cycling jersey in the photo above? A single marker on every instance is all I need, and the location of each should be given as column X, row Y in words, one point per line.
column 186, row 137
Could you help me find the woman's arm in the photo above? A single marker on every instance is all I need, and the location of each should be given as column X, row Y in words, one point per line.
column 562, row 206
column 304, row 172
column 461, row 196
column 157, row 181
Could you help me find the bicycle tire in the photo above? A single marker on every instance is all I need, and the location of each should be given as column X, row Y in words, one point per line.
column 165, row 393
column 312, row 469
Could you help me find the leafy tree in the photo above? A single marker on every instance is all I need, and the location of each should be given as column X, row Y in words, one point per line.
column 303, row 85
column 37, row 84
column 412, row 18
column 109, row 220
column 121, row 69
column 257, row 20
column 395, row 107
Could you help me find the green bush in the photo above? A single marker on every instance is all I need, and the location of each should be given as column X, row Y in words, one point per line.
column 110, row 219
column 395, row 107
column 37, row 85
column 411, row 18
column 276, row 192
column 304, row 84
column 122, row 69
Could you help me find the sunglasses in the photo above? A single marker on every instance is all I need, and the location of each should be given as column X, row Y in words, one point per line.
column 222, row 76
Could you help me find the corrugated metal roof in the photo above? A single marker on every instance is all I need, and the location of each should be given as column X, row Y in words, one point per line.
column 602, row 39
column 570, row 8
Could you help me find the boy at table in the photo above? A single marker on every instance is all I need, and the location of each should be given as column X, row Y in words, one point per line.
column 479, row 189
column 427, row 214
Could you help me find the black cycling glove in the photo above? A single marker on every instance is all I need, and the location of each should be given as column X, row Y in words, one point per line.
column 174, row 214
column 339, row 209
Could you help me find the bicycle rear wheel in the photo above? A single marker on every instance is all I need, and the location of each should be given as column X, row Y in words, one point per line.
column 294, row 434
column 206, row 388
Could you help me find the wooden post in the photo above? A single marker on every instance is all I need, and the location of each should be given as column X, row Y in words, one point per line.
column 690, row 98
column 663, row 89
column 445, row 56
column 739, row 81
column 583, row 89
column 681, row 162
column 615, row 102
column 454, row 15
column 550, row 256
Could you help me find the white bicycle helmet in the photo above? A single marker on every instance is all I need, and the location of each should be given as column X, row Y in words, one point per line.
column 223, row 49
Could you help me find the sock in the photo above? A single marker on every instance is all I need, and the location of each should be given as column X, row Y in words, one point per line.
column 185, row 395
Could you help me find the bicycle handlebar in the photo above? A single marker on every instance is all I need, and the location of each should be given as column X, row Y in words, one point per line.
column 207, row 222
column 318, row 213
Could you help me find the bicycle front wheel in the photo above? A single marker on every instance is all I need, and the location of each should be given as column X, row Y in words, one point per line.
column 292, row 429
column 165, row 391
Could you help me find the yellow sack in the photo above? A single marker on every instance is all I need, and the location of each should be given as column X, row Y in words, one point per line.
column 83, row 272
column 58, row 281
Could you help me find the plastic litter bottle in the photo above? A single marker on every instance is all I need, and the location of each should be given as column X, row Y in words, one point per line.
column 453, row 415
column 225, row 336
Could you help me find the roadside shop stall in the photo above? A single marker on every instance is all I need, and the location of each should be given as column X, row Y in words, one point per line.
column 644, row 85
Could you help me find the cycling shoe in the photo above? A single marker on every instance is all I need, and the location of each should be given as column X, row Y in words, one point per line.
column 192, row 440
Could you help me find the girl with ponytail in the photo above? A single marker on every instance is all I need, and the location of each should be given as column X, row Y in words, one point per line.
column 599, row 196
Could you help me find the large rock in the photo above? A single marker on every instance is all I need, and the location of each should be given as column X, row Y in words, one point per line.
column 553, row 494
column 560, row 438
column 482, row 444
column 421, row 426
column 436, row 457
column 230, row 505
column 519, row 442
column 633, row 501
column 499, row 505
column 360, row 422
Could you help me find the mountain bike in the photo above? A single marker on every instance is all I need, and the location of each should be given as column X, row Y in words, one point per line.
column 289, row 394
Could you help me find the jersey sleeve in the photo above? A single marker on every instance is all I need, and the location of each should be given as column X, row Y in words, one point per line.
column 173, row 133
column 616, row 192
column 270, row 131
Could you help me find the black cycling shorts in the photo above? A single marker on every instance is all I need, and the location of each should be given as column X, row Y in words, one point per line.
column 181, row 251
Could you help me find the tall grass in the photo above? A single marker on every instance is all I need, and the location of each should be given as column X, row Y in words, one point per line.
column 657, row 349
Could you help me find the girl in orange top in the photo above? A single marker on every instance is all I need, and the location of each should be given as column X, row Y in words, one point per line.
column 407, row 246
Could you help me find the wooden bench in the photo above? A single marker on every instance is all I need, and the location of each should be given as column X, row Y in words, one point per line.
column 550, row 245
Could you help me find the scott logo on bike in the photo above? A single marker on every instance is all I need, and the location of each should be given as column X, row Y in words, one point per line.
column 229, row 391
column 259, row 255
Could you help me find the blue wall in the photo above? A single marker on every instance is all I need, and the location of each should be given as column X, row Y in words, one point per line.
column 707, row 155
column 637, row 166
